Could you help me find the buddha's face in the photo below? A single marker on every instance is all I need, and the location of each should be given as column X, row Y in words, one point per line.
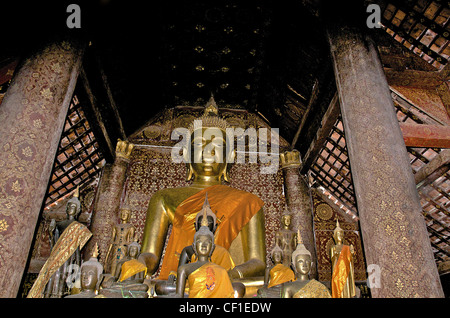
column 124, row 215
column 339, row 236
column 208, row 152
column 88, row 278
column 302, row 264
column 133, row 251
column 71, row 209
column 277, row 256
column 203, row 245
column 286, row 220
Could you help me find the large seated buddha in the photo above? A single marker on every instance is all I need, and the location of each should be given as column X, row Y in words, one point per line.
column 240, row 214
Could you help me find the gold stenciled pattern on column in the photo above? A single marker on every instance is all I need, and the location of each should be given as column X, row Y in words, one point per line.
column 30, row 114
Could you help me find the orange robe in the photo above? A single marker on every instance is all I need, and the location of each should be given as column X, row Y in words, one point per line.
column 341, row 273
column 210, row 281
column 233, row 207
column 280, row 274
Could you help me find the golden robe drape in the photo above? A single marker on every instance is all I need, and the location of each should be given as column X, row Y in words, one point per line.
column 343, row 270
column 74, row 236
column 130, row 268
column 210, row 281
column 233, row 207
column 280, row 274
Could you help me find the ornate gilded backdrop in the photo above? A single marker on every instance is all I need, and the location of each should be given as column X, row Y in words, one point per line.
column 325, row 216
column 151, row 167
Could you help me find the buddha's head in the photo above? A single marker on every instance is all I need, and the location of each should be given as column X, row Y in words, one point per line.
column 302, row 263
column 73, row 206
column 338, row 233
column 91, row 271
column 207, row 155
column 286, row 220
column 277, row 255
column 125, row 214
column 203, row 242
column 134, row 249
column 301, row 258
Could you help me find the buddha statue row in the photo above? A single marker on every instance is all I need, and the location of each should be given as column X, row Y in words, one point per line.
column 202, row 245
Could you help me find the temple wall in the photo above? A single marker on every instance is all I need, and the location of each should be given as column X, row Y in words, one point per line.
column 325, row 215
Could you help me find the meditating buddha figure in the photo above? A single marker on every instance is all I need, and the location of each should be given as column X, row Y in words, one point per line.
column 343, row 275
column 275, row 276
column 128, row 279
column 205, row 279
column 122, row 235
column 303, row 287
column 278, row 273
column 220, row 255
column 240, row 212
column 89, row 277
column 286, row 238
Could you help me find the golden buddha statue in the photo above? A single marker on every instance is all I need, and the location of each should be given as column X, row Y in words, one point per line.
column 241, row 214
column 90, row 276
column 286, row 238
column 343, row 275
column 122, row 235
column 206, row 279
column 302, row 287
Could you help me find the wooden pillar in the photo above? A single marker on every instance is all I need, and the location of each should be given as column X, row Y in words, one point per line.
column 32, row 117
column 298, row 201
column 107, row 202
column 393, row 229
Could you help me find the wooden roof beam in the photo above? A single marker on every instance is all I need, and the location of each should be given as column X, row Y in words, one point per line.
column 426, row 136
column 434, row 169
column 327, row 123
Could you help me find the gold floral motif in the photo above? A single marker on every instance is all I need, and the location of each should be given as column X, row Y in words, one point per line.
column 27, row 152
column 3, row 225
column 16, row 186
column 46, row 93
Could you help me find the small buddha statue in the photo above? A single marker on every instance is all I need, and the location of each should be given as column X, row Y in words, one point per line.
column 220, row 255
column 286, row 238
column 343, row 275
column 206, row 279
column 90, row 276
column 122, row 235
column 276, row 275
column 303, row 287
column 129, row 276
column 242, row 224
column 56, row 286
